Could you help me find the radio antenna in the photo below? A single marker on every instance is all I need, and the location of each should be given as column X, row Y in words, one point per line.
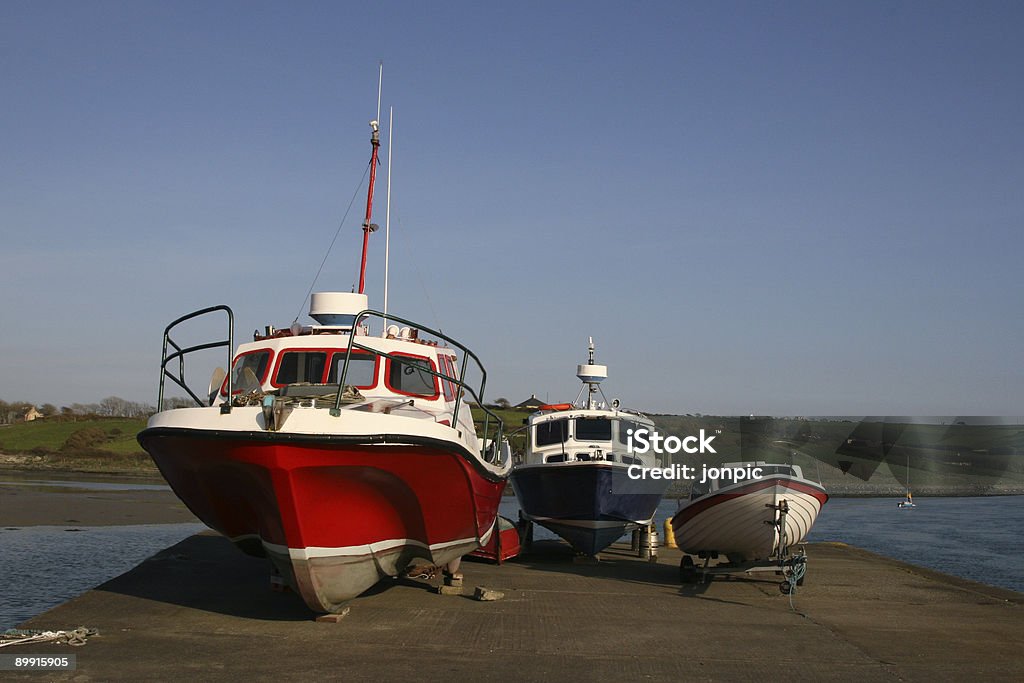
column 387, row 216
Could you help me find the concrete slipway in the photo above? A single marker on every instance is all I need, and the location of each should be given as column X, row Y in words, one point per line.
column 201, row 610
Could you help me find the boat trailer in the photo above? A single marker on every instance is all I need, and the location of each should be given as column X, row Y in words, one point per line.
column 792, row 566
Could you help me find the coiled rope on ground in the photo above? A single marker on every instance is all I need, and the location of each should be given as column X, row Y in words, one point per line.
column 21, row 636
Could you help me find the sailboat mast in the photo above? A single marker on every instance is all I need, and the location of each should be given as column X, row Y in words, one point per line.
column 368, row 226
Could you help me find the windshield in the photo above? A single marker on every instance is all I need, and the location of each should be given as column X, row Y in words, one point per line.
column 256, row 361
column 409, row 375
column 593, row 429
column 362, row 370
column 554, row 431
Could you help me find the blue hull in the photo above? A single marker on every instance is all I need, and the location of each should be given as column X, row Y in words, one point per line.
column 589, row 504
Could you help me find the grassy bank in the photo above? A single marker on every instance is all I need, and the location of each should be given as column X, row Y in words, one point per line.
column 85, row 445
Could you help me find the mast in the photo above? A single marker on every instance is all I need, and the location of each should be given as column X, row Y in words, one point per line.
column 908, row 475
column 387, row 215
column 369, row 227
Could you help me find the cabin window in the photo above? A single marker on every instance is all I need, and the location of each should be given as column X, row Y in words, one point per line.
column 558, row 457
column 301, row 366
column 624, row 427
column 700, row 488
column 362, row 370
column 554, row 431
column 775, row 469
column 410, row 375
column 448, row 368
column 593, row 429
column 257, row 361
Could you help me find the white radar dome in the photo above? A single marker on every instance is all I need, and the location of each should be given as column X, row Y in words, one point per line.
column 337, row 308
column 592, row 374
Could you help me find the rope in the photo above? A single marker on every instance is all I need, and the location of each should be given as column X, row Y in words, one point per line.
column 419, row 277
column 18, row 636
column 798, row 568
column 336, row 233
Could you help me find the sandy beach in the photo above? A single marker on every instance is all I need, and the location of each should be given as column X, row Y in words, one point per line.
column 33, row 501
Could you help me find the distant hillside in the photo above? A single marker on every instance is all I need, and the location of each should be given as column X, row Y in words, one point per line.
column 849, row 458
column 868, row 458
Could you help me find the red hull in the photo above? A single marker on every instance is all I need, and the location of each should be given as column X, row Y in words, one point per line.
column 334, row 518
column 500, row 546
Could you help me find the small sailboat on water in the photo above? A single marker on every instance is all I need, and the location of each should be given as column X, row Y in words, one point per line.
column 908, row 500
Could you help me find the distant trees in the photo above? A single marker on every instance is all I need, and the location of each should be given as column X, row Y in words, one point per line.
column 178, row 402
column 13, row 412
column 112, row 406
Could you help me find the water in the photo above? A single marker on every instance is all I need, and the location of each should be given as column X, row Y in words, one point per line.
column 975, row 538
column 43, row 566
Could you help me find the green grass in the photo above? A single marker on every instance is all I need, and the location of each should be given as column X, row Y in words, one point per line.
column 38, row 434
column 27, row 436
column 113, row 450
column 512, row 420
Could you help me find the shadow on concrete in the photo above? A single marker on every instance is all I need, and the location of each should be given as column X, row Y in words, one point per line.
column 621, row 563
column 206, row 572
column 616, row 562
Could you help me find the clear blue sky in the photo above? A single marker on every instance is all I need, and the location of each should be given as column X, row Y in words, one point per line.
column 779, row 208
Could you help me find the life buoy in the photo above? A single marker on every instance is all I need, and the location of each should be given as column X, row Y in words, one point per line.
column 557, row 406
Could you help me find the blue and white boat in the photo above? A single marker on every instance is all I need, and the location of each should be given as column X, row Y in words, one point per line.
column 575, row 478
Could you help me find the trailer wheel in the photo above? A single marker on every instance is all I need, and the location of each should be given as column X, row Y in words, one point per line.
column 687, row 570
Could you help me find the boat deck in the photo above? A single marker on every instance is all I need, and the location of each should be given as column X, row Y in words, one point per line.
column 202, row 609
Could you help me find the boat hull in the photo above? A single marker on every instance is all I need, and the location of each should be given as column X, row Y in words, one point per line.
column 738, row 520
column 501, row 546
column 589, row 504
column 333, row 517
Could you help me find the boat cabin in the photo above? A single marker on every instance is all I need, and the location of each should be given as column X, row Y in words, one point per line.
column 284, row 362
column 306, row 360
column 586, row 435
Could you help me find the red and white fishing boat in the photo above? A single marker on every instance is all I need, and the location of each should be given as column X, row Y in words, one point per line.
column 343, row 456
column 739, row 518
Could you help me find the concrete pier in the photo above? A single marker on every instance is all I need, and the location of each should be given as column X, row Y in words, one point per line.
column 201, row 610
